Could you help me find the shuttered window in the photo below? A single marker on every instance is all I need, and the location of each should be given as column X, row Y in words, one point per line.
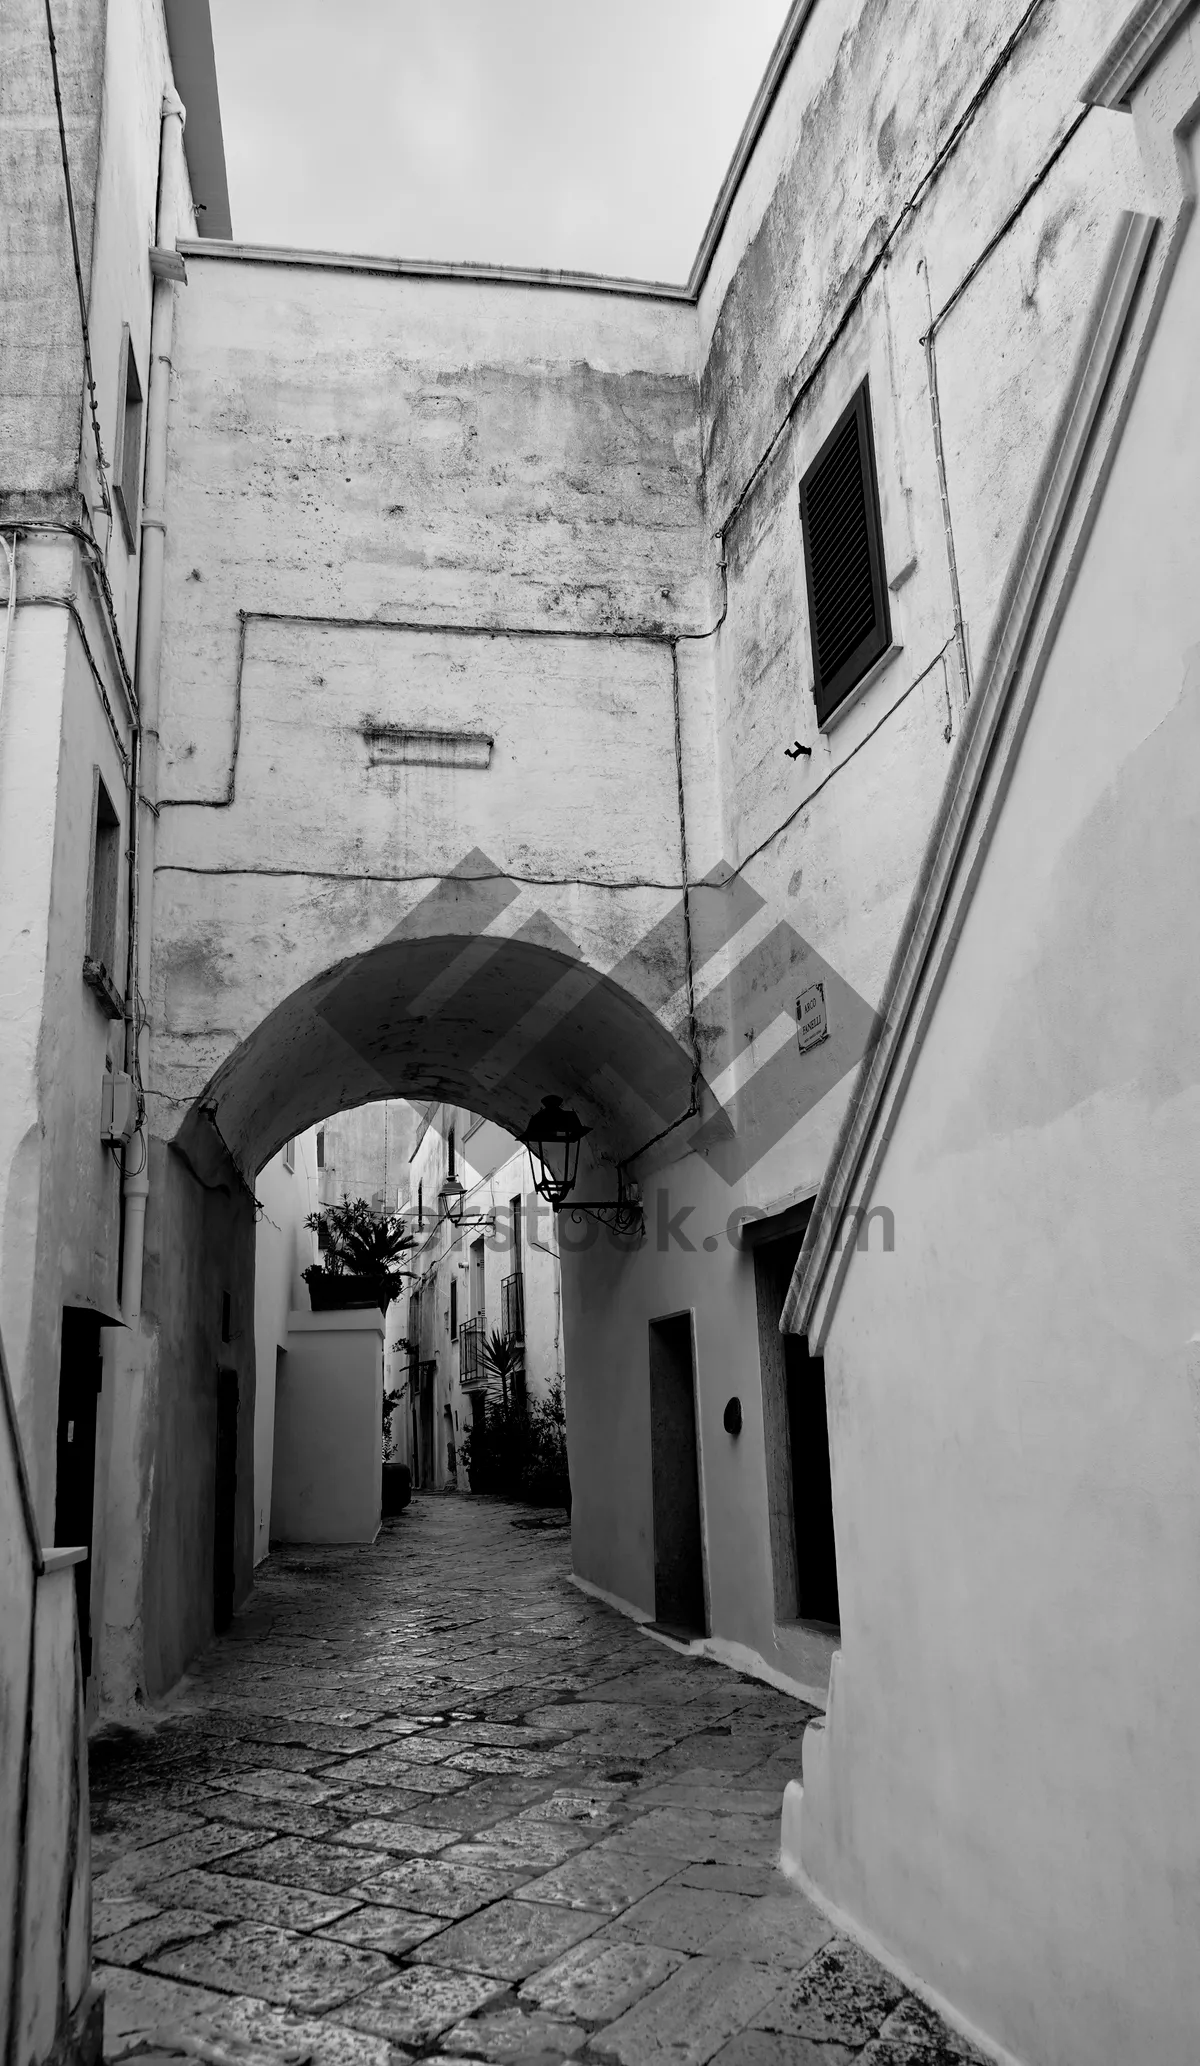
column 843, row 558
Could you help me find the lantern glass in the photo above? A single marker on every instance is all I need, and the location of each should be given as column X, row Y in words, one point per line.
column 451, row 1198
column 552, row 1138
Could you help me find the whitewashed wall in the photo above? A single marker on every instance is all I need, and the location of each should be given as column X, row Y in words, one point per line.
column 283, row 1248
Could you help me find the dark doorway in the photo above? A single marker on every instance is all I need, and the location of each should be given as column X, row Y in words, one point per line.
column 428, row 1469
column 812, row 1490
column 678, row 1548
column 75, row 1490
column 800, row 1497
column 225, row 1500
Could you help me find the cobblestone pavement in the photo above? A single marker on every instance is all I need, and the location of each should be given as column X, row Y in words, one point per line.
column 429, row 1799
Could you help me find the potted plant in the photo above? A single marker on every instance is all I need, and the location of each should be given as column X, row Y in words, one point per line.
column 397, row 1478
column 360, row 1248
column 504, row 1358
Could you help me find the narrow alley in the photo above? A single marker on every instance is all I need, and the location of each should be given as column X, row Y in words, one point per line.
column 429, row 1798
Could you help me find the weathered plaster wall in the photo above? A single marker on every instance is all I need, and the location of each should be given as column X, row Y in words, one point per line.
column 18, row 1589
column 137, row 70
column 381, row 472
column 41, row 403
column 199, row 1246
column 59, row 1219
column 366, row 1152
column 56, row 1921
column 1015, row 1392
column 819, row 282
column 791, row 320
column 369, row 471
column 283, row 1247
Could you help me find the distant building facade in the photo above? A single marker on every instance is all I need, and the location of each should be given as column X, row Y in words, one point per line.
column 496, row 1271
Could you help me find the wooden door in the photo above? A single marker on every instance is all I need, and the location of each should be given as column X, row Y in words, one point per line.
column 679, row 1605
column 225, row 1499
column 75, row 1488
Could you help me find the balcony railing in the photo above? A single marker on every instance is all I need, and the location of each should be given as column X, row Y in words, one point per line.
column 472, row 1370
column 512, row 1306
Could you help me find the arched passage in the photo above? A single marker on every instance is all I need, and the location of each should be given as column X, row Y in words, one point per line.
column 442, row 1008
column 492, row 1024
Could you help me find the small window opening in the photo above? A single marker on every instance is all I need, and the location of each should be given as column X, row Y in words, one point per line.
column 454, row 1307
column 106, row 877
column 450, row 1153
column 127, row 465
column 289, row 1155
column 420, row 1207
column 320, row 1147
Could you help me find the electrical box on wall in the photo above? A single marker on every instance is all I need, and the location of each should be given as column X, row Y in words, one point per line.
column 118, row 1107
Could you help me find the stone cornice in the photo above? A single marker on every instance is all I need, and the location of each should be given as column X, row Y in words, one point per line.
column 1120, row 69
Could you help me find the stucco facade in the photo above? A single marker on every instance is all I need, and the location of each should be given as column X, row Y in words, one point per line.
column 95, row 174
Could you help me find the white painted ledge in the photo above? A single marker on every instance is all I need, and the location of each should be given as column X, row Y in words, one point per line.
column 790, row 1830
column 343, row 1320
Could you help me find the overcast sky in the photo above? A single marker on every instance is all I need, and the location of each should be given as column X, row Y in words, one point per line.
column 528, row 132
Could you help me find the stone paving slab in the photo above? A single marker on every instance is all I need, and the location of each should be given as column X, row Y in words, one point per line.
column 361, row 1803
column 418, row 2004
column 602, row 1878
column 113, row 1912
column 394, row 1930
column 273, row 1818
column 682, row 1918
column 436, row 1888
column 781, row 1930
column 510, row 1939
column 840, row 1997
column 410, row 1839
column 142, row 1939
column 690, row 2016
column 240, row 1899
column 540, row 1841
column 297, row 1861
column 213, row 1842
column 277, row 1965
column 699, row 1836
column 426, row 1798
column 269, row 1785
column 515, row 2034
column 597, row 1982
column 769, row 2048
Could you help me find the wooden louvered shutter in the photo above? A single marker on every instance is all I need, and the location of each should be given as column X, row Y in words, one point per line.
column 843, row 558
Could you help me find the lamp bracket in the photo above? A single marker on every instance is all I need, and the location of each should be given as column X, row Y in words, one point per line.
column 623, row 1215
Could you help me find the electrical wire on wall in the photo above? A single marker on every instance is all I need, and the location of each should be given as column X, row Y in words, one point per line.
column 80, row 290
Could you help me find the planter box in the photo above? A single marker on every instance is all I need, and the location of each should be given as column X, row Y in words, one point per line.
column 397, row 1487
column 328, row 1294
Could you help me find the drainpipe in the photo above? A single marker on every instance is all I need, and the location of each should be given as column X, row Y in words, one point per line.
column 136, row 1185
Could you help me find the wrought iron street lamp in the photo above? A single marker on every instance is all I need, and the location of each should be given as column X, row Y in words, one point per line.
column 552, row 1138
column 451, row 1199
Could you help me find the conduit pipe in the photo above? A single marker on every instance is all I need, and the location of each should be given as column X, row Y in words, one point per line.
column 144, row 783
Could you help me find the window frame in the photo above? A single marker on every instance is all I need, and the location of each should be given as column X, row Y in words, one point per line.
column 103, row 902
column 289, row 1156
column 829, row 696
column 127, row 450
